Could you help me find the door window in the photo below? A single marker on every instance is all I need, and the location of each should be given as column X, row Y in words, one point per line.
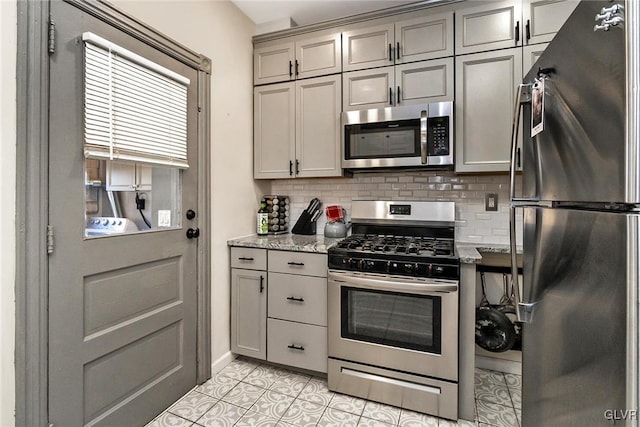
column 129, row 197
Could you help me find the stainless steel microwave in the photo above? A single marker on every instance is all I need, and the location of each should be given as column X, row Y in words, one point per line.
column 405, row 136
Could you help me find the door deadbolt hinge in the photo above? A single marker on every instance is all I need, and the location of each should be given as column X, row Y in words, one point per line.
column 49, row 239
column 52, row 36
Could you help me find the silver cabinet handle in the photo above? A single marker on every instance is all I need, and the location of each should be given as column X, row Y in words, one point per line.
column 423, row 137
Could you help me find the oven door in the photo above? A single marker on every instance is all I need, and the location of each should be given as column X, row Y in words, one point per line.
column 400, row 323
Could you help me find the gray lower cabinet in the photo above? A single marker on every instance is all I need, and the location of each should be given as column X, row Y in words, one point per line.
column 249, row 303
column 297, row 314
column 293, row 329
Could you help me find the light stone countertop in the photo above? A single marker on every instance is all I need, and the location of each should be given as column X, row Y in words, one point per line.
column 469, row 253
column 286, row 242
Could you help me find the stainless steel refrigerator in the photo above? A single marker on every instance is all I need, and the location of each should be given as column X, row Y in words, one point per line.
column 580, row 198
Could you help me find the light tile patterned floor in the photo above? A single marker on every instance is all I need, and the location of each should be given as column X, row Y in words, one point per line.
column 247, row 393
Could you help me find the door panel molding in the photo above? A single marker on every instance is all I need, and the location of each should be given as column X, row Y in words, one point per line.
column 32, row 198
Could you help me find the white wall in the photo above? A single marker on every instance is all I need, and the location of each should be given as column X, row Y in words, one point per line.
column 8, row 28
column 220, row 31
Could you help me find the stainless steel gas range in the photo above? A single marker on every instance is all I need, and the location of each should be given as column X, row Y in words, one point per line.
column 393, row 307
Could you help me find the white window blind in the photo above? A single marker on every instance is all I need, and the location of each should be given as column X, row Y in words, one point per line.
column 134, row 109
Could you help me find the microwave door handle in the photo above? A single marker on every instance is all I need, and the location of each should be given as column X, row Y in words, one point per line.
column 423, row 136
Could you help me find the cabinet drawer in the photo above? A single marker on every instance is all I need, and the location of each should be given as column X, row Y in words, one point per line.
column 298, row 298
column 309, row 264
column 296, row 344
column 249, row 258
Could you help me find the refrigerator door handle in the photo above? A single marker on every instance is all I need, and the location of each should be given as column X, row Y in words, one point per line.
column 523, row 311
column 521, row 98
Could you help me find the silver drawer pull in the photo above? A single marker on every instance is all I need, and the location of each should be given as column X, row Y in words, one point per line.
column 295, row 299
column 297, row 264
column 296, row 347
column 242, row 258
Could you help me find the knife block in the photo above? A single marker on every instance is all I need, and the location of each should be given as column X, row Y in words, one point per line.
column 304, row 225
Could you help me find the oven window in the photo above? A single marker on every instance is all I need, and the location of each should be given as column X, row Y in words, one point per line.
column 381, row 140
column 390, row 318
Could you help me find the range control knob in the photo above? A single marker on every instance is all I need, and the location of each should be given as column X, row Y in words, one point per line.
column 105, row 222
column 410, row 268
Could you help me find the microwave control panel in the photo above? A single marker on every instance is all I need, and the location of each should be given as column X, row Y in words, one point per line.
column 438, row 136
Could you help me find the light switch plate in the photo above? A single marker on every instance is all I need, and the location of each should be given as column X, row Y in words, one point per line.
column 491, row 202
column 164, row 218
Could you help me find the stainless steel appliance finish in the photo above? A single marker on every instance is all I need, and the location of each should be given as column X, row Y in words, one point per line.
column 581, row 213
column 393, row 289
column 405, row 136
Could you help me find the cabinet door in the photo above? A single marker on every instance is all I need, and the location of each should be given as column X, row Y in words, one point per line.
column 121, row 176
column 143, row 177
column 274, row 130
column 318, row 56
column 249, row 313
column 273, row 64
column 424, row 38
column 424, row 82
column 485, row 94
column 543, row 18
column 488, row 27
column 368, row 89
column 318, row 107
column 530, row 55
column 368, row 47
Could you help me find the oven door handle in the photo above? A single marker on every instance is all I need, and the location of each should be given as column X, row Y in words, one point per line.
column 395, row 284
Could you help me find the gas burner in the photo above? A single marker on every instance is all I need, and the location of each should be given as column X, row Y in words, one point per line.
column 409, row 245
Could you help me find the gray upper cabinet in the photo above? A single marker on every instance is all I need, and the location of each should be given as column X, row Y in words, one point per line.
column 530, row 55
column 273, row 63
column 495, row 25
column 485, row 94
column 274, row 130
column 424, row 38
column 305, row 57
column 505, row 24
column 297, row 128
column 407, row 84
column 368, row 47
column 410, row 40
column 543, row 18
column 318, row 107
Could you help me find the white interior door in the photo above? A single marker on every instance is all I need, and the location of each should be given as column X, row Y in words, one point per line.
column 122, row 308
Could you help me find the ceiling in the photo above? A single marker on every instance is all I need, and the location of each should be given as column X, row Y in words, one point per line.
column 305, row 12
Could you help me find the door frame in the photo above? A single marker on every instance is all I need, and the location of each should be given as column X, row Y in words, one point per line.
column 33, row 237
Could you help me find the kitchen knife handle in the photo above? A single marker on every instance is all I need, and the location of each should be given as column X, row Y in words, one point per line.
column 290, row 167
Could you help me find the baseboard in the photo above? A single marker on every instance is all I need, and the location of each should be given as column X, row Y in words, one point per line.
column 501, row 365
column 221, row 362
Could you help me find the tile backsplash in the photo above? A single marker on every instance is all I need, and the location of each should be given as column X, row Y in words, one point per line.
column 473, row 223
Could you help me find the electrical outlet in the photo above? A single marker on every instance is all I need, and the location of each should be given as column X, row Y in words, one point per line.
column 164, row 218
column 491, row 202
